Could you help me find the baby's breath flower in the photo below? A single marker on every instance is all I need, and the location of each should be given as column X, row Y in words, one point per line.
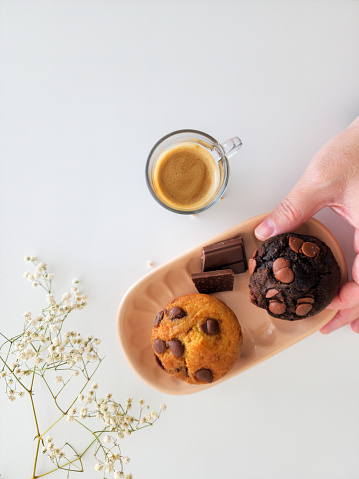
column 83, row 412
column 44, row 347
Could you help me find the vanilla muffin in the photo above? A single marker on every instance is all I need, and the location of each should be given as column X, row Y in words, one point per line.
column 293, row 276
column 196, row 338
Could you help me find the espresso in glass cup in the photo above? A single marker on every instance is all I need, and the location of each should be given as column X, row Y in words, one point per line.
column 187, row 171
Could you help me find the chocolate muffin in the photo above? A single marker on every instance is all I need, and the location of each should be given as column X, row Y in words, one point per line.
column 293, row 276
column 196, row 338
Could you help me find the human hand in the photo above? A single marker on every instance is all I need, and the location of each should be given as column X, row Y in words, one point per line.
column 331, row 179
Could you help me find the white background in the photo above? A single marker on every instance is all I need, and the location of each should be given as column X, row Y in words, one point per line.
column 87, row 88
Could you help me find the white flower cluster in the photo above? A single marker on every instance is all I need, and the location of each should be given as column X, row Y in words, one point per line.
column 71, row 349
column 117, row 422
column 54, row 453
column 115, row 417
column 42, row 345
column 43, row 350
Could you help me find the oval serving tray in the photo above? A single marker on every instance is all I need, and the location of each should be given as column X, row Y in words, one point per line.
column 263, row 335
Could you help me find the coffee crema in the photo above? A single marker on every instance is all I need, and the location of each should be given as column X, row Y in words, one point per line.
column 186, row 176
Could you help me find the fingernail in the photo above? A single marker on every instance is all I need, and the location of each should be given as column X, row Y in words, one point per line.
column 265, row 229
column 324, row 331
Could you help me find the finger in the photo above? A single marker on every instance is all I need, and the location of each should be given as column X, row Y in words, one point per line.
column 343, row 317
column 347, row 297
column 355, row 269
column 356, row 241
column 301, row 204
column 355, row 325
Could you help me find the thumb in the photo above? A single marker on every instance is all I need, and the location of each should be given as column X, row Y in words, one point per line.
column 301, row 203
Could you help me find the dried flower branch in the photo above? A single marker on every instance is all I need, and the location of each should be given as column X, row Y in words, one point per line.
column 44, row 352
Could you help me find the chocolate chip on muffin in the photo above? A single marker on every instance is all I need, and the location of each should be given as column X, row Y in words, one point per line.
column 293, row 276
column 201, row 345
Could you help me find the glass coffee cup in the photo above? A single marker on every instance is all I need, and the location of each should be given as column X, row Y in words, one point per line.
column 187, row 171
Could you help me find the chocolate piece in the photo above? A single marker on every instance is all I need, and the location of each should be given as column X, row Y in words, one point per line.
column 280, row 263
column 176, row 313
column 159, row 346
column 310, row 249
column 204, row 375
column 158, row 361
column 213, row 281
column 237, row 268
column 159, row 318
column 225, row 254
column 271, row 293
column 307, row 299
column 295, row 243
column 303, row 309
column 252, row 263
column 284, row 275
column 276, row 307
column 210, row 327
column 176, row 347
column 281, row 270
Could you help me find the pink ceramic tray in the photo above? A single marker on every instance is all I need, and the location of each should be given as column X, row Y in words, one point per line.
column 263, row 335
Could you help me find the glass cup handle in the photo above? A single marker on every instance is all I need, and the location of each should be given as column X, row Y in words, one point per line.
column 231, row 146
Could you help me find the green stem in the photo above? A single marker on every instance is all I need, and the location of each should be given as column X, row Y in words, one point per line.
column 52, row 425
column 37, row 430
column 17, row 379
column 69, row 462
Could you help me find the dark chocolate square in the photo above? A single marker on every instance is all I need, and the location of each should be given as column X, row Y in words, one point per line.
column 213, row 281
column 225, row 254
